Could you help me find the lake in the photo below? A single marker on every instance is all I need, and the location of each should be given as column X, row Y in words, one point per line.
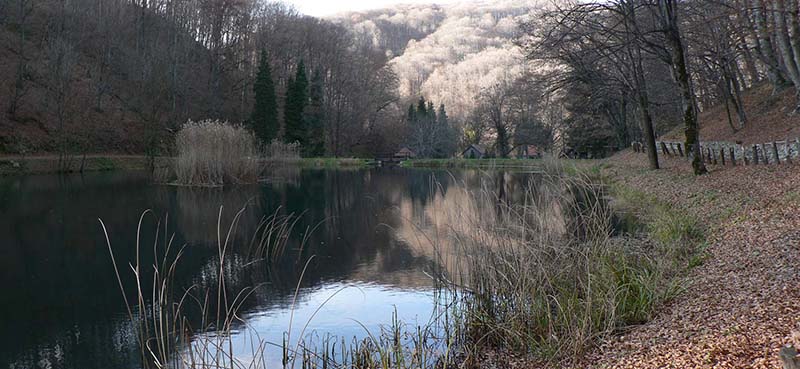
column 367, row 234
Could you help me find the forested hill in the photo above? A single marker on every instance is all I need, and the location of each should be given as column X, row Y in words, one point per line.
column 121, row 75
column 448, row 53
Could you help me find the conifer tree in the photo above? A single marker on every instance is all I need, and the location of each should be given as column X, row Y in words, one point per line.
column 315, row 116
column 296, row 101
column 411, row 116
column 422, row 108
column 264, row 119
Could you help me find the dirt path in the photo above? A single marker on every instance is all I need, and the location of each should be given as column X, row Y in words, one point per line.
column 742, row 304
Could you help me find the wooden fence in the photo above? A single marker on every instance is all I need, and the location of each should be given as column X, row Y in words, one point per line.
column 728, row 153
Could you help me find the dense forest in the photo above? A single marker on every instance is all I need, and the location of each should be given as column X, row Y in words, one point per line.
column 582, row 78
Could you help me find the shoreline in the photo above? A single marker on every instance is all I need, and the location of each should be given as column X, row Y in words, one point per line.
column 49, row 164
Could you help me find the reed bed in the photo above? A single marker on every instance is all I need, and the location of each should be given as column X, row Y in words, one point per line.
column 214, row 153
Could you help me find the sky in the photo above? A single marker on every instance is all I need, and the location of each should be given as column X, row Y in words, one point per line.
column 320, row 8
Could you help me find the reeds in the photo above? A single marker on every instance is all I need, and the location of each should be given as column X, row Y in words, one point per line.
column 214, row 153
column 278, row 150
column 194, row 327
column 551, row 275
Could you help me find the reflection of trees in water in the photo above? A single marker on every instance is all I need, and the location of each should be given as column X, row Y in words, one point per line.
column 364, row 234
column 479, row 207
column 198, row 211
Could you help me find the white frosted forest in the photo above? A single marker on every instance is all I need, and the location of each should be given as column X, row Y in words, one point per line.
column 449, row 53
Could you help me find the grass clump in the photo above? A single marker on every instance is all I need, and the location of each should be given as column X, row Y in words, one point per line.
column 214, row 153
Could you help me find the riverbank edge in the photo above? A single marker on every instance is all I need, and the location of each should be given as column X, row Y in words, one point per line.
column 472, row 163
column 643, row 215
column 25, row 165
column 739, row 306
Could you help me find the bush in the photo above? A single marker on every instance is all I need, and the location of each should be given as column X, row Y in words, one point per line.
column 213, row 153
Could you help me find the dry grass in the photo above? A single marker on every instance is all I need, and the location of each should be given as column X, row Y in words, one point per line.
column 554, row 274
column 214, row 153
column 277, row 150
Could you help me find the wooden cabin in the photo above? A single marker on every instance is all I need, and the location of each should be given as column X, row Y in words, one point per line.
column 404, row 154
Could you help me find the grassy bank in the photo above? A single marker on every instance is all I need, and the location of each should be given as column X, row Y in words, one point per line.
column 320, row 162
column 19, row 165
column 472, row 163
column 75, row 164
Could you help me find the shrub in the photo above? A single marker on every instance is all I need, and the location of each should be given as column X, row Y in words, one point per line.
column 213, row 153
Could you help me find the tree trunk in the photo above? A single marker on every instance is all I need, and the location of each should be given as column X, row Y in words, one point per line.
column 669, row 17
column 766, row 51
column 784, row 44
column 640, row 85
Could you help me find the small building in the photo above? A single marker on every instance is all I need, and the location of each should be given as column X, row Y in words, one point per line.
column 474, row 152
column 404, row 154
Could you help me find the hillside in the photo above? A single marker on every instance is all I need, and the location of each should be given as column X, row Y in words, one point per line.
column 769, row 119
column 98, row 81
column 448, row 53
column 33, row 126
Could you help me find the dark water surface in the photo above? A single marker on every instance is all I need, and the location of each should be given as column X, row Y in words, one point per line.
column 61, row 306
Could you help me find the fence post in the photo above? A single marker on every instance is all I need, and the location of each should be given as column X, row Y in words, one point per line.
column 797, row 145
column 680, row 149
column 788, row 151
column 664, row 149
column 733, row 156
column 775, row 152
column 755, row 154
column 722, row 155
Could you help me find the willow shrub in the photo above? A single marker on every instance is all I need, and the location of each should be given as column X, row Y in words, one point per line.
column 215, row 153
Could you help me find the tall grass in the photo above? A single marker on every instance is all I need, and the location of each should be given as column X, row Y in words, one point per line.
column 551, row 275
column 278, row 150
column 214, row 153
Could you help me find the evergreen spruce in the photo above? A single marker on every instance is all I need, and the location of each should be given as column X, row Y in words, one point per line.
column 264, row 119
column 296, row 101
column 315, row 117
column 422, row 109
column 443, row 120
column 411, row 116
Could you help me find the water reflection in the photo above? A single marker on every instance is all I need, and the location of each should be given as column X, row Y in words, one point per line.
column 61, row 306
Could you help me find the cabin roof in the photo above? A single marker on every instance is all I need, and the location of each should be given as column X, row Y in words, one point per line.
column 405, row 150
column 476, row 147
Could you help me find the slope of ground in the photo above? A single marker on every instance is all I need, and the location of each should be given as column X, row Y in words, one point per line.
column 743, row 303
column 34, row 127
column 769, row 114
